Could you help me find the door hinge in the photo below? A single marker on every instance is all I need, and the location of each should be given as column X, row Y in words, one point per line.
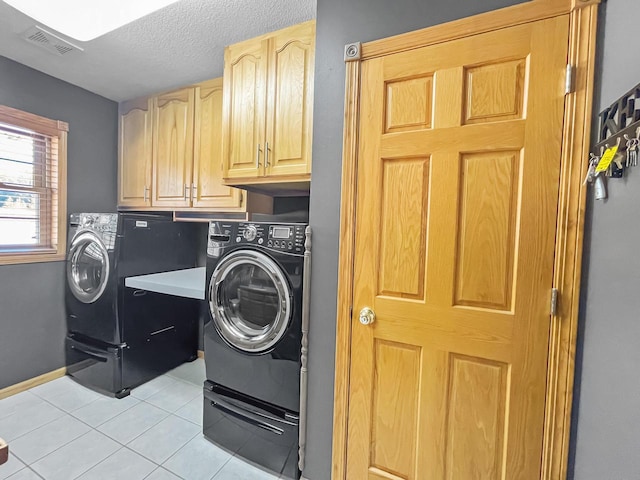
column 554, row 301
column 569, row 86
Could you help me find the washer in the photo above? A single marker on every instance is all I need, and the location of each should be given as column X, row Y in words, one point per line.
column 91, row 276
column 253, row 340
column 119, row 337
column 94, row 348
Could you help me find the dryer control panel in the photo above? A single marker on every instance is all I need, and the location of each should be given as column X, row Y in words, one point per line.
column 281, row 237
column 286, row 237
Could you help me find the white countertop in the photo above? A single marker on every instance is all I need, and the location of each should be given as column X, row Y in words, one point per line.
column 182, row 283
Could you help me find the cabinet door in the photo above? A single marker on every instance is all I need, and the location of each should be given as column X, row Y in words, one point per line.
column 244, row 103
column 208, row 190
column 134, row 153
column 173, row 148
column 290, row 100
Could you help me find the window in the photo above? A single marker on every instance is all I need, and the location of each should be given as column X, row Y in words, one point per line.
column 32, row 187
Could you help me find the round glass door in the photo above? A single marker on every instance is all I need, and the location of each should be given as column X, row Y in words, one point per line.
column 87, row 267
column 250, row 301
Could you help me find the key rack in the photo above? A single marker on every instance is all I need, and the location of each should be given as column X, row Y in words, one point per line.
column 620, row 119
column 618, row 137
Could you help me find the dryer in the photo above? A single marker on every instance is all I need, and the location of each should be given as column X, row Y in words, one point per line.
column 253, row 341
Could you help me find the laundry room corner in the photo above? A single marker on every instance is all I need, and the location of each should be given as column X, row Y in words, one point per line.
column 32, row 315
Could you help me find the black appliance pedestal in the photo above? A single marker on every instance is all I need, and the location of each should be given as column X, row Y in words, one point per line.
column 95, row 365
column 256, row 431
column 163, row 334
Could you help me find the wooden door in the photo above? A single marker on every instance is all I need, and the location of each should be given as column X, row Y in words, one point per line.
column 173, row 148
column 457, row 187
column 290, row 100
column 134, row 153
column 208, row 190
column 244, row 109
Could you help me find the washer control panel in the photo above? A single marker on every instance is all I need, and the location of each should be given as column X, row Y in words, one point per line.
column 105, row 224
column 272, row 236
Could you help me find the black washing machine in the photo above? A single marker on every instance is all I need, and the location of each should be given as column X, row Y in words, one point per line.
column 120, row 337
column 253, row 341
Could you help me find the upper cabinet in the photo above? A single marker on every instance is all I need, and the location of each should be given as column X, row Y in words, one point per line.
column 268, row 107
column 290, row 101
column 244, row 107
column 208, row 189
column 170, row 153
column 135, row 153
column 173, row 148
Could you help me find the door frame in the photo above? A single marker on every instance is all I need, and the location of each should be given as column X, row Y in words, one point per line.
column 569, row 227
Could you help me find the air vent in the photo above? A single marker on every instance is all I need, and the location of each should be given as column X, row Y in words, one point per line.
column 49, row 41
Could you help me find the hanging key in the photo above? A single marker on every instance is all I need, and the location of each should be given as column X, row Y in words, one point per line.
column 591, row 170
column 630, row 149
column 635, row 145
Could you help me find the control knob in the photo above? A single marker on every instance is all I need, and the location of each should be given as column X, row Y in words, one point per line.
column 250, row 233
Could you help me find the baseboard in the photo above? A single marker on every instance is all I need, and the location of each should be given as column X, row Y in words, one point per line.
column 32, row 382
column 200, row 354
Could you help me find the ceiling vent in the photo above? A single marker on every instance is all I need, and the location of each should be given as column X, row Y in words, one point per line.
column 50, row 42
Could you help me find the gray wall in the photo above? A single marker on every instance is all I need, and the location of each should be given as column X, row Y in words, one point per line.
column 340, row 22
column 32, row 323
column 606, row 438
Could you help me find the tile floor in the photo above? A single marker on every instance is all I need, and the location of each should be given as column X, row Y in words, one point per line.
column 63, row 431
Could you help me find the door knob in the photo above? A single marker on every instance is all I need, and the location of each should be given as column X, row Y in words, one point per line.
column 367, row 316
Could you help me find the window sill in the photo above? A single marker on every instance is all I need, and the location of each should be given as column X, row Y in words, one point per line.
column 30, row 257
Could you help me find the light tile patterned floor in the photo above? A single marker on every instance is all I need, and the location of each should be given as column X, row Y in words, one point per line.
column 63, row 431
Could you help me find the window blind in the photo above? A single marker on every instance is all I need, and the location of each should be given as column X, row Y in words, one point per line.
column 28, row 190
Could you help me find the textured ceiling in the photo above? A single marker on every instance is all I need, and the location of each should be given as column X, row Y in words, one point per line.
column 180, row 44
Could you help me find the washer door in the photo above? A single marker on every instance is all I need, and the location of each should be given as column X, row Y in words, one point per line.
column 250, row 301
column 87, row 267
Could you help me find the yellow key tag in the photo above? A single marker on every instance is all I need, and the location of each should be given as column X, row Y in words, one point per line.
column 606, row 159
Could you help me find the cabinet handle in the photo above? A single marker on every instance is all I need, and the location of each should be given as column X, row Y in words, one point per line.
column 258, row 156
column 266, row 154
column 186, row 190
column 194, row 191
column 145, row 194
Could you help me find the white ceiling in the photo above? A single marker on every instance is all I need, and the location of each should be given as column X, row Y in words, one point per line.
column 178, row 45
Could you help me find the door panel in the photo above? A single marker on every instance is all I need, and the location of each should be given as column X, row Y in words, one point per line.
column 476, row 404
column 404, row 182
column 409, row 104
column 495, row 91
column 458, row 171
column 395, row 407
column 486, row 229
